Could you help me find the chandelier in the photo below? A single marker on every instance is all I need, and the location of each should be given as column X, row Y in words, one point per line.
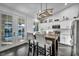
column 44, row 13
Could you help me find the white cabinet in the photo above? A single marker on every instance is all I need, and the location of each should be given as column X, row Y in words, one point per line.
column 62, row 39
column 65, row 34
column 65, row 30
column 56, row 23
column 65, row 39
column 48, row 26
column 66, row 24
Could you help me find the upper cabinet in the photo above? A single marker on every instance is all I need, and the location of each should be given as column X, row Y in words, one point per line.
column 66, row 24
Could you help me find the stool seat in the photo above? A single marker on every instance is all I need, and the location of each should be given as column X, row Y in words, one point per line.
column 48, row 42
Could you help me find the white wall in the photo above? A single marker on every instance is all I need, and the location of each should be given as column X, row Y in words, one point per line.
column 30, row 22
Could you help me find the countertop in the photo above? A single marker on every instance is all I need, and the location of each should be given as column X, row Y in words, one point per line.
column 9, row 46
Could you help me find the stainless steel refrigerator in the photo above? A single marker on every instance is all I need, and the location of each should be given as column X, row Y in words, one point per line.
column 75, row 37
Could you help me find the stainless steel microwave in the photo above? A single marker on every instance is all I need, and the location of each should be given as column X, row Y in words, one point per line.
column 55, row 26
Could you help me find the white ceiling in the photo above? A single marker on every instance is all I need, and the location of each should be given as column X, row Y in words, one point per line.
column 32, row 8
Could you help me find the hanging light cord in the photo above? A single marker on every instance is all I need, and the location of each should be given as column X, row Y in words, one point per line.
column 46, row 6
column 41, row 7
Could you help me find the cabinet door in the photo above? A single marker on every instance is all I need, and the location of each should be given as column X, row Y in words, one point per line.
column 66, row 24
column 65, row 39
column 62, row 39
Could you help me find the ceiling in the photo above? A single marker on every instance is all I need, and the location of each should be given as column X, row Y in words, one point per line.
column 32, row 8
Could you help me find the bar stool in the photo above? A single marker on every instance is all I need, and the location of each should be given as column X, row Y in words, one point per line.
column 42, row 47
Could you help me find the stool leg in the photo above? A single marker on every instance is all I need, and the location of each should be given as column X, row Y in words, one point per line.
column 37, row 48
column 53, row 49
column 33, row 48
column 29, row 48
column 50, row 51
column 56, row 47
column 45, row 50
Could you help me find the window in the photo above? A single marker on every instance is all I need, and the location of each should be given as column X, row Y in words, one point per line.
column 7, row 27
column 21, row 27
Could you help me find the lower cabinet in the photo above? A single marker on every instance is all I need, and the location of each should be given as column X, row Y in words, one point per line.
column 65, row 39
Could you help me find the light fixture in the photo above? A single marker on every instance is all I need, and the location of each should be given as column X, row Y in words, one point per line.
column 43, row 14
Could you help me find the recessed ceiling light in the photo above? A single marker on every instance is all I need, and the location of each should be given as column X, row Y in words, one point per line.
column 65, row 4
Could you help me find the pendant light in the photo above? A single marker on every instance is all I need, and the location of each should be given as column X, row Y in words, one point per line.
column 44, row 13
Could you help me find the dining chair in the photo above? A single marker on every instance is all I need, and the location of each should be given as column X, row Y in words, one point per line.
column 42, row 47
